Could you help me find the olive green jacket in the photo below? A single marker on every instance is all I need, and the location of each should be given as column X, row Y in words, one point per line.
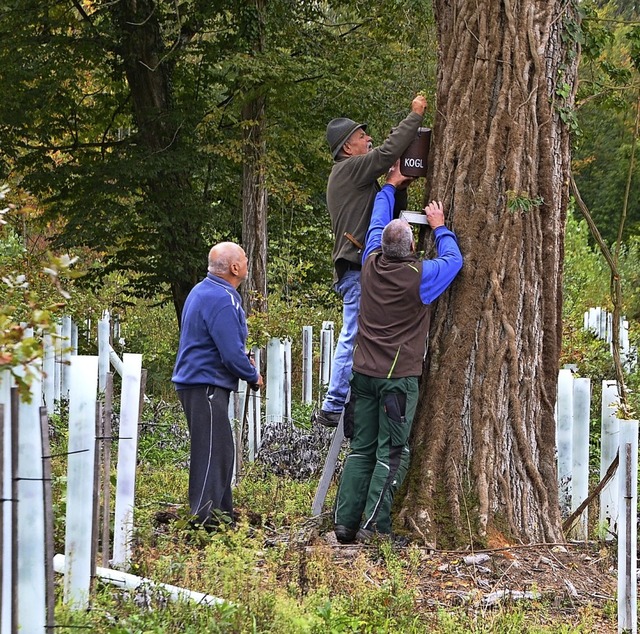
column 352, row 187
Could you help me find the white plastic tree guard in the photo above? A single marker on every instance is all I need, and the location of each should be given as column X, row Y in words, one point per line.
column 307, row 364
column 600, row 323
column 83, row 382
column 580, row 455
column 57, row 377
column 104, row 349
column 628, row 528
column 275, row 381
column 49, row 369
column 254, row 433
column 127, row 449
column 74, row 338
column 65, row 356
column 286, row 379
column 564, row 438
column 132, row 582
column 114, row 359
column 6, row 571
column 30, row 513
column 609, row 438
column 326, row 352
column 235, row 412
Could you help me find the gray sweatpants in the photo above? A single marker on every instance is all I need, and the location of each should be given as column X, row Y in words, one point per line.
column 212, row 451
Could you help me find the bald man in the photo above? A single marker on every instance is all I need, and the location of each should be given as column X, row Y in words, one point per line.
column 211, row 359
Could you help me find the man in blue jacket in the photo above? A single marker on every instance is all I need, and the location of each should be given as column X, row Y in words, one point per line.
column 397, row 289
column 211, row 358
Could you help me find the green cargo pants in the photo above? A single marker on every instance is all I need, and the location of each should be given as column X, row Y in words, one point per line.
column 379, row 456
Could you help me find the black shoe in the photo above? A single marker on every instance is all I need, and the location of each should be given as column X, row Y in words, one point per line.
column 344, row 534
column 365, row 536
column 328, row 419
column 400, row 541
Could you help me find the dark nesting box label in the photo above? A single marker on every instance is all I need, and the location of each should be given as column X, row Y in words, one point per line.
column 414, row 160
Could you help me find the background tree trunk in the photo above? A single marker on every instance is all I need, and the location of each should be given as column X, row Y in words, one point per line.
column 148, row 70
column 483, row 458
column 254, row 206
column 254, row 185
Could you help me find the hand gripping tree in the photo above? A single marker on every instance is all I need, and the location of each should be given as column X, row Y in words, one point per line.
column 483, row 460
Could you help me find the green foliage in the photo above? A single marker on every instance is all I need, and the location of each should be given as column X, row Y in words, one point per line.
column 11, row 248
column 299, row 260
column 596, row 35
column 517, row 620
column 607, row 98
column 301, row 414
column 162, row 183
column 587, row 277
column 633, row 37
column 163, row 434
column 281, row 500
column 119, row 612
column 286, row 317
column 586, row 285
column 600, row 166
column 630, row 273
column 27, row 310
column 521, row 202
column 149, row 327
column 586, row 274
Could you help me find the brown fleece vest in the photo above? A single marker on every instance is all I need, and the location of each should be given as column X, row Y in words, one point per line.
column 393, row 323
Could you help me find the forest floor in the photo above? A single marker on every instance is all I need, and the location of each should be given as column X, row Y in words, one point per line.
column 569, row 582
column 565, row 585
column 568, row 587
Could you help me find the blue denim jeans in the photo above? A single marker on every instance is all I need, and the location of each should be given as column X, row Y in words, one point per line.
column 349, row 287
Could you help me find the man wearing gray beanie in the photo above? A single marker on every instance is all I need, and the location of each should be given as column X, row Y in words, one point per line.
column 351, row 190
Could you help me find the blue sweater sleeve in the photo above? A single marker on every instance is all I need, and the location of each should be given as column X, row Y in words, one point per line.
column 381, row 216
column 229, row 336
column 438, row 273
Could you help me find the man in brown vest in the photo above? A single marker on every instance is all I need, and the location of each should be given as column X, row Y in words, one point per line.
column 397, row 289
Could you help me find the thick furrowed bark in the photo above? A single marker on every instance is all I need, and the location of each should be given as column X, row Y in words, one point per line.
column 484, row 436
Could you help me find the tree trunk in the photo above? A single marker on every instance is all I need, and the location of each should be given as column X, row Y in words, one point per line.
column 179, row 246
column 254, row 186
column 254, row 206
column 483, row 462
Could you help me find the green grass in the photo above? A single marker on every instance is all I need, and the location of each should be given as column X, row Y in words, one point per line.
column 274, row 571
